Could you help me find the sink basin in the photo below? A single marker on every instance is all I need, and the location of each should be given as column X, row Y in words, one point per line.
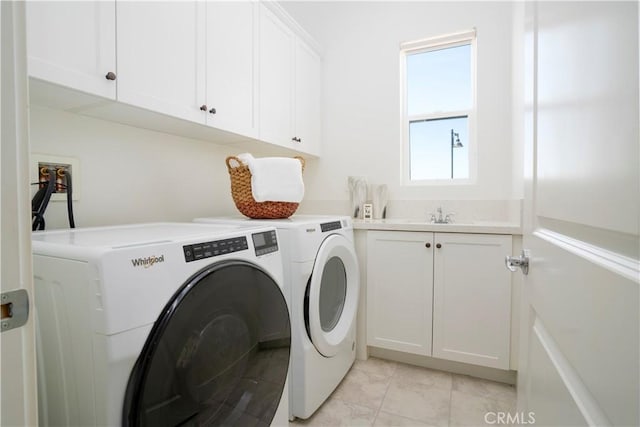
column 425, row 221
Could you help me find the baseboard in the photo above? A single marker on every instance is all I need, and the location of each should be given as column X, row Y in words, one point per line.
column 499, row 375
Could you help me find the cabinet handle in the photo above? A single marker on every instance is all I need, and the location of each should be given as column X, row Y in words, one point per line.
column 438, row 245
column 110, row 76
column 296, row 139
column 212, row 111
column 203, row 107
column 427, row 245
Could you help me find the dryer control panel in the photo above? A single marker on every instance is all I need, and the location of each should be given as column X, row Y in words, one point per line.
column 265, row 242
column 330, row 226
column 203, row 250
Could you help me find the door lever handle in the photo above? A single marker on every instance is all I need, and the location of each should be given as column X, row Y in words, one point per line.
column 522, row 261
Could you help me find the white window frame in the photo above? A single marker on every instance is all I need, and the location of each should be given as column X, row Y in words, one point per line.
column 427, row 45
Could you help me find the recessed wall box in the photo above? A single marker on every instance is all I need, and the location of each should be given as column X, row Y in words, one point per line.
column 41, row 164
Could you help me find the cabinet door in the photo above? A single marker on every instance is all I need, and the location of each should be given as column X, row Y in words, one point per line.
column 161, row 54
column 472, row 299
column 399, row 290
column 276, row 77
column 73, row 44
column 231, row 66
column 307, row 98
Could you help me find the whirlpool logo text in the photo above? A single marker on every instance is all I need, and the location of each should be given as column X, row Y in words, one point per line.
column 148, row 261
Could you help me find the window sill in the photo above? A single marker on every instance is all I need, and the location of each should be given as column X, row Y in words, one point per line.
column 440, row 183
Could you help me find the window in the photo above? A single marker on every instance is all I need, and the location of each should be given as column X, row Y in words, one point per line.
column 438, row 109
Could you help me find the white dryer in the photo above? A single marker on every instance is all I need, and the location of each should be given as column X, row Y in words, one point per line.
column 161, row 325
column 321, row 272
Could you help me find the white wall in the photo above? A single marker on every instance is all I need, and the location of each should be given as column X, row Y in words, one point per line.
column 361, row 132
column 132, row 175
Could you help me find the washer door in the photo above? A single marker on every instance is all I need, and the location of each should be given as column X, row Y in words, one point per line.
column 332, row 295
column 217, row 355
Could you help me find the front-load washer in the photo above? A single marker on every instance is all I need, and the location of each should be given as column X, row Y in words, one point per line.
column 161, row 325
column 321, row 272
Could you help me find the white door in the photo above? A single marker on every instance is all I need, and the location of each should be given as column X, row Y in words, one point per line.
column 579, row 356
column 161, row 57
column 232, row 57
column 73, row 44
column 17, row 346
column 333, row 295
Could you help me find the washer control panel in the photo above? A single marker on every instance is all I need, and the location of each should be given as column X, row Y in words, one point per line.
column 265, row 242
column 204, row 250
column 330, row 226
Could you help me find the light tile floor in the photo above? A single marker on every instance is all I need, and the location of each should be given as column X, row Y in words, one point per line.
column 378, row 392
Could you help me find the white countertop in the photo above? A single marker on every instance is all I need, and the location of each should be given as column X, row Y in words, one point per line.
column 404, row 224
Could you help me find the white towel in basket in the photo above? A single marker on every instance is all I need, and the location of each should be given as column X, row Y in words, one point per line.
column 275, row 179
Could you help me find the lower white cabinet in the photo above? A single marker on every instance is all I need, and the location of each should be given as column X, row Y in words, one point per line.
column 472, row 299
column 399, row 290
column 446, row 295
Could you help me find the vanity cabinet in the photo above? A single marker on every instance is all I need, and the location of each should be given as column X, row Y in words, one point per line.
column 445, row 295
column 472, row 299
column 400, row 290
column 73, row 44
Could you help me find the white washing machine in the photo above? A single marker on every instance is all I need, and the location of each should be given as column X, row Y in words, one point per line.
column 321, row 272
column 161, row 325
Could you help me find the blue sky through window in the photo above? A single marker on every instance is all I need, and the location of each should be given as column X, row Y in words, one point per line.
column 439, row 81
column 430, row 149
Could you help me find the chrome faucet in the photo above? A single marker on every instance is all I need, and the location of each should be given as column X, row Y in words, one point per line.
column 447, row 219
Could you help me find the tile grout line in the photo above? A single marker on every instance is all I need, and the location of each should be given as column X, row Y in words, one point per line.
column 450, row 401
column 385, row 395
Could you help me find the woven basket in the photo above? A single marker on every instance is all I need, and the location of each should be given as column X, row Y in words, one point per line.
column 240, row 176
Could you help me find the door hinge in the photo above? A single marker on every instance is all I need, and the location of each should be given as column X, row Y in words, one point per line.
column 14, row 309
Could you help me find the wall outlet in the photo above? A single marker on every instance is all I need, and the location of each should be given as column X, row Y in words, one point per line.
column 43, row 163
column 367, row 211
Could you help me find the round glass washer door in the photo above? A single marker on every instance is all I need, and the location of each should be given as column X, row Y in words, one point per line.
column 217, row 355
column 333, row 294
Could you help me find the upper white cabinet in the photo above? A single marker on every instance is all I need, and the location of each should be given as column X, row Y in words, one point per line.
column 161, row 54
column 276, row 79
column 243, row 67
column 232, row 66
column 307, row 114
column 290, row 86
column 446, row 295
column 472, row 299
column 73, row 44
column 399, row 290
